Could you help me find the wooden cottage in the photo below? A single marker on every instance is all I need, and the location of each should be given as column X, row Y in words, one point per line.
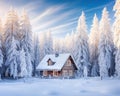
column 57, row 65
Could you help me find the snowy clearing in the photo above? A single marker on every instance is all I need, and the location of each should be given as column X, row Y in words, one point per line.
column 60, row 87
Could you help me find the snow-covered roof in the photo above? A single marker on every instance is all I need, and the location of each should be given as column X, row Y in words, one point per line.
column 59, row 62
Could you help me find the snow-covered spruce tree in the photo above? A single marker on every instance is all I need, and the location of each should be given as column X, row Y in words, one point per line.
column 1, row 54
column 36, row 52
column 62, row 45
column 44, row 45
column 23, row 70
column 13, row 58
column 116, row 28
column 26, row 41
column 105, row 45
column 81, row 49
column 11, row 30
column 67, row 43
column 58, row 45
column 72, row 41
column 93, row 46
column 49, row 42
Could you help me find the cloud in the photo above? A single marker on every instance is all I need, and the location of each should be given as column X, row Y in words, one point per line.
column 47, row 12
column 61, row 29
column 32, row 5
column 62, row 32
column 47, row 24
column 63, row 25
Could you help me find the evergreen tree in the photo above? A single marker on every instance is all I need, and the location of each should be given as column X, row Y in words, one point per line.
column 81, row 49
column 11, row 30
column 74, row 40
column 67, row 43
column 58, row 45
column 72, row 43
column 105, row 45
column 13, row 53
column 26, row 41
column 23, row 70
column 116, row 28
column 93, row 46
column 47, row 43
column 1, row 54
column 36, row 53
column 45, row 46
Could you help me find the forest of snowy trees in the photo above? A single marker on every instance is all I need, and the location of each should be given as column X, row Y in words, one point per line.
column 96, row 53
column 16, row 46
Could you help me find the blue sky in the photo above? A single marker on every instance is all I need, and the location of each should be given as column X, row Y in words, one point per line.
column 59, row 16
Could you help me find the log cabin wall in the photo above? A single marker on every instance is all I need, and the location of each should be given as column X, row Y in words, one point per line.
column 69, row 68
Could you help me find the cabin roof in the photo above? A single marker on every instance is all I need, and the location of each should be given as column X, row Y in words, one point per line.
column 59, row 62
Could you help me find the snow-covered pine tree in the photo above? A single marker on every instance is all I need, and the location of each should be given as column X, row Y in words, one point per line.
column 49, row 43
column 11, row 30
column 81, row 49
column 36, row 52
column 26, row 41
column 105, row 45
column 93, row 46
column 116, row 28
column 44, row 45
column 13, row 53
column 41, row 46
column 72, row 41
column 58, row 45
column 29, row 64
column 67, row 43
column 1, row 54
column 23, row 70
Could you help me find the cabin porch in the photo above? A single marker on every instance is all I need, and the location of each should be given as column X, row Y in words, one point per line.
column 52, row 73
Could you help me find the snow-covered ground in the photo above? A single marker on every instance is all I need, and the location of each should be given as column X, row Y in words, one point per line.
column 60, row 87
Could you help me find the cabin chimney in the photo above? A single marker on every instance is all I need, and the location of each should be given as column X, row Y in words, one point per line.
column 56, row 54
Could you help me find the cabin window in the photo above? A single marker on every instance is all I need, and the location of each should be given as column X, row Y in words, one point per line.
column 44, row 73
column 70, row 72
column 69, row 63
column 65, row 73
column 50, row 62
